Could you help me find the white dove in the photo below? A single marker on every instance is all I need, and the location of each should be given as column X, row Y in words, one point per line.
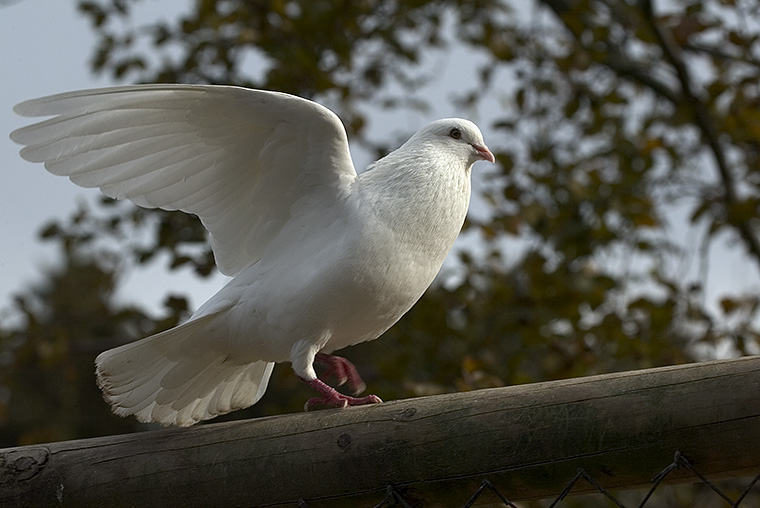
column 322, row 258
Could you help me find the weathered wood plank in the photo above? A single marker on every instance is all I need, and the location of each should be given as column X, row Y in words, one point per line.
column 527, row 440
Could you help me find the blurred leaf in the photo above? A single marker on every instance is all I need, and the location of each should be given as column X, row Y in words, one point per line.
column 594, row 231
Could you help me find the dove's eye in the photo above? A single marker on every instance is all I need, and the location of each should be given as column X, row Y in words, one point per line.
column 455, row 133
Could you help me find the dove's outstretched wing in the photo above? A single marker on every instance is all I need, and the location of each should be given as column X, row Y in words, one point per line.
column 240, row 159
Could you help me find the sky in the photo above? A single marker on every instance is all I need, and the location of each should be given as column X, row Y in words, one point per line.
column 43, row 50
column 45, row 46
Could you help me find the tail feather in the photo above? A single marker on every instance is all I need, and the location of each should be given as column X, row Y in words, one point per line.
column 176, row 378
column 222, row 399
column 203, row 380
column 184, row 375
column 126, row 381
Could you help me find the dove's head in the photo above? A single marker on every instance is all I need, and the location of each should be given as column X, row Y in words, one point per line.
column 458, row 137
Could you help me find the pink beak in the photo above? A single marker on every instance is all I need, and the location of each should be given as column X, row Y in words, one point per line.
column 484, row 152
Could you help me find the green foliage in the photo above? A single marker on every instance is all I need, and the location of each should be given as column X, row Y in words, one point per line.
column 48, row 373
column 615, row 119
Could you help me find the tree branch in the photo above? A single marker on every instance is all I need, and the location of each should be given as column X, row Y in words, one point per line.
column 621, row 65
column 613, row 59
column 706, row 125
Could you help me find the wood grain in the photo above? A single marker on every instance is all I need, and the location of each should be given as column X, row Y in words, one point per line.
column 528, row 440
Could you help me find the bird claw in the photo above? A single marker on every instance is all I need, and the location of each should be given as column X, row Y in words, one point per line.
column 331, row 397
column 343, row 370
column 341, row 401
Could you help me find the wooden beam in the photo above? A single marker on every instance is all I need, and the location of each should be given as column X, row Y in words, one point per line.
column 528, row 440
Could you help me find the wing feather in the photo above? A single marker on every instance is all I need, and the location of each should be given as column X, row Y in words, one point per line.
column 238, row 158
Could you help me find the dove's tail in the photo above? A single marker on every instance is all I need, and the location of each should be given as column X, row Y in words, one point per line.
column 173, row 378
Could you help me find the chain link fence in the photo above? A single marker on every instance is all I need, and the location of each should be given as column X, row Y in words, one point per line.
column 394, row 498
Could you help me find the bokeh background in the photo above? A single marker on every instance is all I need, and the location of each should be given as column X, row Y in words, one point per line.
column 618, row 229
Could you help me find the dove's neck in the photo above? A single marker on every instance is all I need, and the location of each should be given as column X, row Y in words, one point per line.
column 420, row 196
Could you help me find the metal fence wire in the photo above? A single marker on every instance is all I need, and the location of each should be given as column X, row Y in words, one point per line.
column 395, row 499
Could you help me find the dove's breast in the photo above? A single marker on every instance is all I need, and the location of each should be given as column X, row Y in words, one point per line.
column 378, row 286
column 345, row 274
column 400, row 245
column 348, row 290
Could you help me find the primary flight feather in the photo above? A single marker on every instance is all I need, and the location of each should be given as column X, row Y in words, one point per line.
column 321, row 258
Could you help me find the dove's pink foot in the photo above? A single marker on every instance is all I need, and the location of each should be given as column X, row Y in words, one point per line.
column 343, row 370
column 331, row 397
